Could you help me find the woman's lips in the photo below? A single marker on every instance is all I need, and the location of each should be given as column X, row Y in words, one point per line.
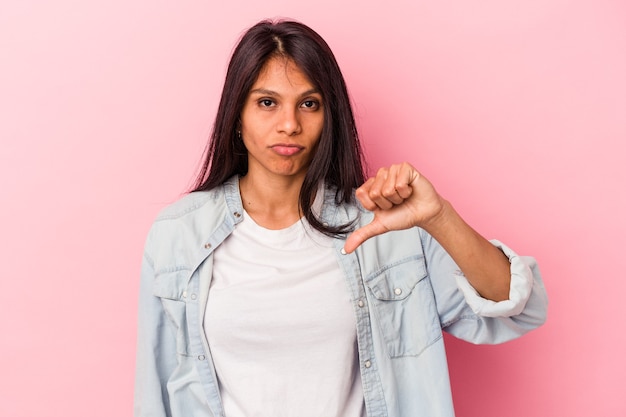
column 286, row 150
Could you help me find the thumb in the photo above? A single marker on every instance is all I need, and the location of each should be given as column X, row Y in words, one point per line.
column 362, row 234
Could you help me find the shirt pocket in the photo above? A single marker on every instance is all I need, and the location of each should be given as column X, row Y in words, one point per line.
column 404, row 307
column 171, row 288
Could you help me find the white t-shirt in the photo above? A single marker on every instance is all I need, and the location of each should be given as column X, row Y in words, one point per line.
column 281, row 327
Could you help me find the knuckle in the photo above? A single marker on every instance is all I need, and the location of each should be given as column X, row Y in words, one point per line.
column 402, row 186
column 389, row 192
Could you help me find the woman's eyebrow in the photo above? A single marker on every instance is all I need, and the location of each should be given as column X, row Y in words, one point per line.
column 311, row 91
column 267, row 92
column 264, row 92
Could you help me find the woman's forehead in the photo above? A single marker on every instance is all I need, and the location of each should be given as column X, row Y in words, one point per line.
column 280, row 73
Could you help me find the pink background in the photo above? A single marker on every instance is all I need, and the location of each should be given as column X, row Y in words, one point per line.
column 516, row 110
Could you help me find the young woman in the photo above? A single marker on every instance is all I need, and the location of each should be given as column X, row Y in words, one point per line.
column 287, row 285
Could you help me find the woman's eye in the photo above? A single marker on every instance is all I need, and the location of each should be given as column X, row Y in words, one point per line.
column 266, row 102
column 310, row 104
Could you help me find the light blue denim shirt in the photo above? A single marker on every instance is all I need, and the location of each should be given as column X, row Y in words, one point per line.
column 403, row 286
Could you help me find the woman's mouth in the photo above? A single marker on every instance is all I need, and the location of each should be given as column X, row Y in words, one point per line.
column 286, row 150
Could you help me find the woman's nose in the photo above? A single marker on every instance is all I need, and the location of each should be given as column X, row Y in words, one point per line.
column 289, row 122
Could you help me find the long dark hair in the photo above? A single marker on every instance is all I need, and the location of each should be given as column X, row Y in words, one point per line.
column 338, row 159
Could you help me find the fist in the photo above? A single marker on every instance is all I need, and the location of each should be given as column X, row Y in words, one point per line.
column 400, row 198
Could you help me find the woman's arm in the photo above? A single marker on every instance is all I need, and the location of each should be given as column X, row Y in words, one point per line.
column 401, row 198
column 156, row 351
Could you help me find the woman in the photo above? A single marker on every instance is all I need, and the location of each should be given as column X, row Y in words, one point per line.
column 270, row 291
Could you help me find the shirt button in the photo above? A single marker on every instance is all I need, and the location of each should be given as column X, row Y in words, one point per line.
column 367, row 363
column 343, row 251
column 325, row 224
column 184, row 294
column 207, row 246
column 361, row 303
column 397, row 291
column 193, row 296
column 201, row 357
column 237, row 214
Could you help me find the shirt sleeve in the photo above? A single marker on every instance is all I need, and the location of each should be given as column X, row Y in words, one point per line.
column 520, row 289
column 156, row 350
column 466, row 315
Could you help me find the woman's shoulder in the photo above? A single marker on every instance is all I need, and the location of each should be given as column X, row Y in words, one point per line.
column 199, row 202
column 186, row 223
column 190, row 215
column 190, row 203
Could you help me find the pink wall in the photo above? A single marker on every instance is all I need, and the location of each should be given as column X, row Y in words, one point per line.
column 516, row 111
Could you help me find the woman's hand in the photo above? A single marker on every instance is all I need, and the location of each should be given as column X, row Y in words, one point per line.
column 400, row 198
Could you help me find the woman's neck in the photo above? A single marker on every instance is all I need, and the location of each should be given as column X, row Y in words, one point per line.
column 272, row 202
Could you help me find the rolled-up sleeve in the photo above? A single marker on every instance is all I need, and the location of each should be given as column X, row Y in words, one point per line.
column 520, row 288
column 468, row 316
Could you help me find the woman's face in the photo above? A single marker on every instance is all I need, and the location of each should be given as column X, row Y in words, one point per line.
column 281, row 121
